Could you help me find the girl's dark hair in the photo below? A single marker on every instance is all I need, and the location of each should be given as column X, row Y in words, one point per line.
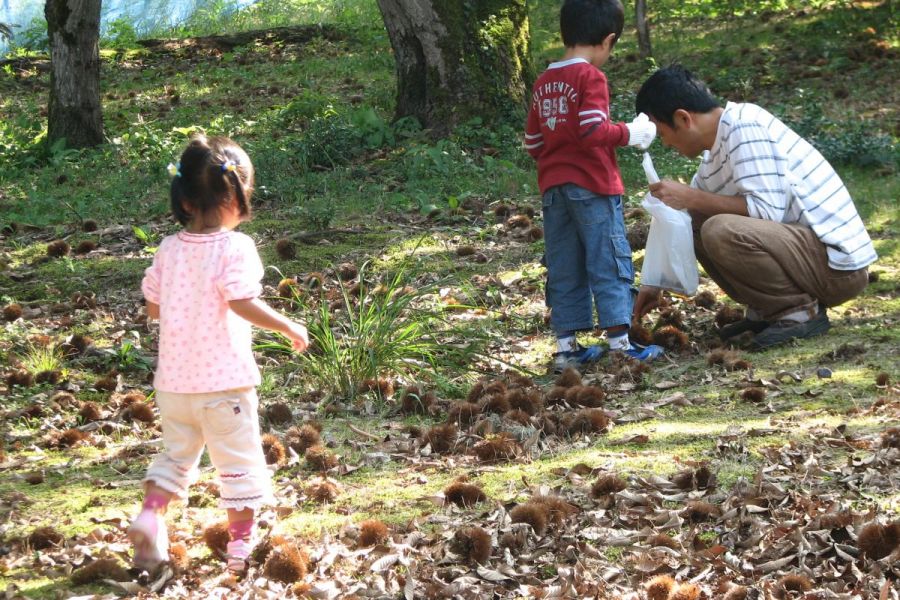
column 670, row 89
column 589, row 22
column 206, row 182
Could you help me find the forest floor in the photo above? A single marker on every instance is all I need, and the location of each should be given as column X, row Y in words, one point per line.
column 476, row 473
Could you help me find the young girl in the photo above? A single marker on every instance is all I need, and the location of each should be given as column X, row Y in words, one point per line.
column 204, row 288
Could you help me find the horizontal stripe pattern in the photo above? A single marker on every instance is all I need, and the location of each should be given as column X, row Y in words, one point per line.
column 785, row 179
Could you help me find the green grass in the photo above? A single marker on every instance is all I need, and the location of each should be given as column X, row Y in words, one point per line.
column 318, row 168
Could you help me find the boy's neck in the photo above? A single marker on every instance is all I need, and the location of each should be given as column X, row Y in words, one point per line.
column 588, row 53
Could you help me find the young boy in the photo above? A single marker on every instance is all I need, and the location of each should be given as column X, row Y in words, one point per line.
column 774, row 225
column 570, row 135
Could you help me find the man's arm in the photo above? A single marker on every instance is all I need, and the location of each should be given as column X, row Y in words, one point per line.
column 679, row 196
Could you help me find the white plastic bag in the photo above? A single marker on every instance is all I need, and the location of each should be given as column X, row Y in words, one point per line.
column 669, row 260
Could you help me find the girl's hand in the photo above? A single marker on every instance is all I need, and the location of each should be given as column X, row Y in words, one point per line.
column 299, row 336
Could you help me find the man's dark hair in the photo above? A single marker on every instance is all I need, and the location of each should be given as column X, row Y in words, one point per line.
column 588, row 22
column 670, row 89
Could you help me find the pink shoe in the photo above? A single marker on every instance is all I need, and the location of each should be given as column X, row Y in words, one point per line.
column 238, row 556
column 150, row 540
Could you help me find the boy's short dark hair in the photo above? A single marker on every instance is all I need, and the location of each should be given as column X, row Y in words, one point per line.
column 588, row 22
column 670, row 89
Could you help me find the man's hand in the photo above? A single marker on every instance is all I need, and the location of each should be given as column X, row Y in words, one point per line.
column 641, row 132
column 299, row 336
column 648, row 298
column 673, row 194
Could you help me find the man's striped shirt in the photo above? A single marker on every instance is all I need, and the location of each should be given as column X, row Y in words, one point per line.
column 784, row 178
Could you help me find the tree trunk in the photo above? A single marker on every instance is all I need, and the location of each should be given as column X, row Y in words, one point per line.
column 458, row 59
column 73, row 28
column 643, row 28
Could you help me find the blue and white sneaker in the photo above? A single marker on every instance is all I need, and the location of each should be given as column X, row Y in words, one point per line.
column 576, row 358
column 645, row 353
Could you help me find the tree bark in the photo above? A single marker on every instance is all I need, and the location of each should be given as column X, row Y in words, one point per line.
column 73, row 28
column 458, row 59
column 643, row 28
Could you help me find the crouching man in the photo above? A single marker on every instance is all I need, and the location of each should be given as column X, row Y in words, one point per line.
column 774, row 225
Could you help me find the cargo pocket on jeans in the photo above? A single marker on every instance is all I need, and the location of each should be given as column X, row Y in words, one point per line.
column 622, row 252
column 224, row 416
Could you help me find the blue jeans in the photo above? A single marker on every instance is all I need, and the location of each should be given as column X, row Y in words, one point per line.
column 588, row 259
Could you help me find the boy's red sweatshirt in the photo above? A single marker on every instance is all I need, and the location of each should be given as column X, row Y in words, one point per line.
column 569, row 132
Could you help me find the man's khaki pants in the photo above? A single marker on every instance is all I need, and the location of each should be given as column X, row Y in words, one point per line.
column 777, row 270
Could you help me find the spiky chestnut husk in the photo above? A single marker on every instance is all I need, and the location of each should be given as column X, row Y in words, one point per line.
column 607, row 484
column 465, row 250
column 727, row 315
column 590, row 396
column 57, row 248
column 141, row 411
column 705, row 299
column 497, row 447
column 71, row 437
column 474, row 543
column 558, row 510
column 737, row 592
column 792, row 582
column 381, row 385
column 661, row 539
column 98, row 570
column 640, row 334
column 287, row 288
column 517, row 416
column 671, row 338
column 754, row 394
column 178, row 557
column 685, row 591
column 372, row 532
column 323, row 492
column 347, row 271
column 44, row 537
column 588, row 420
column 526, row 399
column 568, row 378
column 495, row 403
column 518, row 221
column 89, row 225
column 286, row 563
column 877, row 541
column 890, row 437
column 442, row 438
column 476, row 392
column 659, row 587
column 535, row 233
column 12, row 311
column 463, row 414
column 320, row 459
column 273, row 450
column 286, row 249
column 556, row 395
column 302, row 438
column 20, row 377
column 698, row 511
column 85, row 246
column 413, row 401
column 882, row 380
column 216, row 538
column 279, row 413
column 670, row 316
column 501, row 211
column 464, row 494
column 534, row 514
